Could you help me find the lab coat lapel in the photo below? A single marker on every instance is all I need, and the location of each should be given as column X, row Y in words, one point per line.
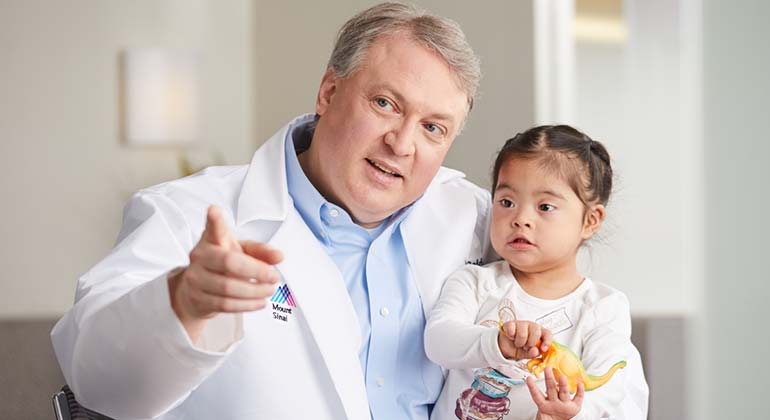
column 319, row 292
column 433, row 236
column 264, row 194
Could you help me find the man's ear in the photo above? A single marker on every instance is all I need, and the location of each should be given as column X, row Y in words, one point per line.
column 593, row 220
column 326, row 91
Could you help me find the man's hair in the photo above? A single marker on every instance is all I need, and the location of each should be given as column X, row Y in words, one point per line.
column 439, row 34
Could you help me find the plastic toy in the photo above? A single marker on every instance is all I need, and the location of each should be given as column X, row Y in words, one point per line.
column 565, row 362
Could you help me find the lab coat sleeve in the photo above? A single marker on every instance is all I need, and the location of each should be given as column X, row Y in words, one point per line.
column 121, row 348
column 608, row 342
column 452, row 338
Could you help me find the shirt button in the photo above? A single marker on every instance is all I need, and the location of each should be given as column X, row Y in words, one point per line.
column 334, row 212
column 380, row 381
column 384, row 311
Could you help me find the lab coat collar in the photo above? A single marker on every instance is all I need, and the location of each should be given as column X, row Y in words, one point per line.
column 264, row 194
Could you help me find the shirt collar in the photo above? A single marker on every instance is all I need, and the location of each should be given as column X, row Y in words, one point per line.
column 307, row 200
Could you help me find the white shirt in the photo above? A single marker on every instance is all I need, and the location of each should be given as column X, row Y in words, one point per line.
column 593, row 321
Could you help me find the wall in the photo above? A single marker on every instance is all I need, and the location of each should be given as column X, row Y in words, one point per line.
column 64, row 169
column 736, row 62
column 636, row 97
column 290, row 71
column 64, row 173
column 68, row 176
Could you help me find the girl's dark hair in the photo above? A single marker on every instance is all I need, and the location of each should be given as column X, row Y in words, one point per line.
column 582, row 162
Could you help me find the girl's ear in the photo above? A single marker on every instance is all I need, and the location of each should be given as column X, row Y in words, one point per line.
column 593, row 220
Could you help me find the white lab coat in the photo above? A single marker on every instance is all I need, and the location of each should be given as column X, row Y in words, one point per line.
column 124, row 352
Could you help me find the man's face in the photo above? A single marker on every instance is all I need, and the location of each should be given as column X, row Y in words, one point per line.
column 384, row 131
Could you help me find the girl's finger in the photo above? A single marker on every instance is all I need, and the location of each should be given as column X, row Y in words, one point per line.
column 563, row 388
column 522, row 333
column 509, row 328
column 551, row 391
column 578, row 399
column 534, row 391
column 534, row 335
column 547, row 338
column 532, row 352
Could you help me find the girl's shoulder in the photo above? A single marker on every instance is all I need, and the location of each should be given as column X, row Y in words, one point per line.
column 604, row 301
column 595, row 291
column 481, row 276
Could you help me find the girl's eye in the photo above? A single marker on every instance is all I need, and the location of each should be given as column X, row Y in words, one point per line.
column 506, row 203
column 547, row 207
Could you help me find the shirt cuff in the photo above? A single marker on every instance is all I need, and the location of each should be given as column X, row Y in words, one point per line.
column 491, row 348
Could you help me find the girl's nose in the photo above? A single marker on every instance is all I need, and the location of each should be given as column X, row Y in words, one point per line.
column 519, row 224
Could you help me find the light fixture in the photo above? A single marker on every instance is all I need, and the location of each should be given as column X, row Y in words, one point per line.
column 161, row 94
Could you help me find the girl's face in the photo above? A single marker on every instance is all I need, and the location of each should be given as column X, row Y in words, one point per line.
column 538, row 222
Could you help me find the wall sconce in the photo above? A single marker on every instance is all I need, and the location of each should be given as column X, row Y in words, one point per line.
column 160, row 89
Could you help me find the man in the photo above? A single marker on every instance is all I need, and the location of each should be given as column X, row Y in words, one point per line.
column 296, row 287
column 303, row 292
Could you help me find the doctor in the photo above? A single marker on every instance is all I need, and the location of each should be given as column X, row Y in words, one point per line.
column 296, row 287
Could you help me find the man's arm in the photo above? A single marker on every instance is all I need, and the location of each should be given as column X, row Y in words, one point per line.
column 122, row 348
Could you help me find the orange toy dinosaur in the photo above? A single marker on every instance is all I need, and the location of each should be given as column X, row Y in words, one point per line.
column 565, row 361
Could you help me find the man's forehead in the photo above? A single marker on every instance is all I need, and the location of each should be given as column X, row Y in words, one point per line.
column 390, row 47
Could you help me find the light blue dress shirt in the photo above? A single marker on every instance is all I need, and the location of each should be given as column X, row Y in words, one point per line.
column 401, row 383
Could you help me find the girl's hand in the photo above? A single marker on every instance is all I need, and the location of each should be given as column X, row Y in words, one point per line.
column 523, row 339
column 556, row 404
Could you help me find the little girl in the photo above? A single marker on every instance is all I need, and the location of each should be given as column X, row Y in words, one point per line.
column 550, row 187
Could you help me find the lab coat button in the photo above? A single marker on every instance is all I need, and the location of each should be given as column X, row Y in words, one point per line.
column 380, row 381
column 384, row 311
column 334, row 212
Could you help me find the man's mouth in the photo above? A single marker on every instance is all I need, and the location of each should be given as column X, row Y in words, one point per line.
column 385, row 169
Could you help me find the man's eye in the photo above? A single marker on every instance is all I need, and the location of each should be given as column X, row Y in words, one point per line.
column 435, row 131
column 506, row 203
column 382, row 102
column 547, row 207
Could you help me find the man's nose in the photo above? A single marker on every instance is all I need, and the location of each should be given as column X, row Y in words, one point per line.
column 401, row 140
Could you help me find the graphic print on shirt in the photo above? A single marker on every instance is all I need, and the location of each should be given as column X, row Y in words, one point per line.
column 505, row 313
column 283, row 303
column 487, row 398
column 556, row 321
